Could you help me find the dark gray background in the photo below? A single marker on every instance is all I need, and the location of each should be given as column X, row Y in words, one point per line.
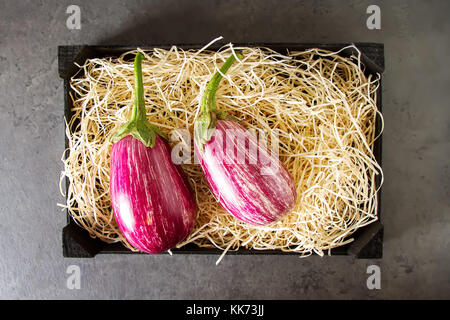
column 415, row 149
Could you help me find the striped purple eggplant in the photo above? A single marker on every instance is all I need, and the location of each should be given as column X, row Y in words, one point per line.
column 248, row 181
column 151, row 199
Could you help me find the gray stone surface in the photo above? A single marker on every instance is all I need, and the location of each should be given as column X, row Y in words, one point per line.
column 416, row 148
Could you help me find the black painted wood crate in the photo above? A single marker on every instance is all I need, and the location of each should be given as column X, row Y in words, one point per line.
column 76, row 242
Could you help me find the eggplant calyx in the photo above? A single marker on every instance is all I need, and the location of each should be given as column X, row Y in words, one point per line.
column 204, row 128
column 205, row 124
column 138, row 126
column 143, row 131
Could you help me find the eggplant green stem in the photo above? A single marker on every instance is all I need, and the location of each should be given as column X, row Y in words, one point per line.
column 138, row 126
column 139, row 103
column 209, row 97
column 205, row 124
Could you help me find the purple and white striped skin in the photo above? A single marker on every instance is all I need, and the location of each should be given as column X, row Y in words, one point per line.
column 151, row 199
column 257, row 192
column 152, row 202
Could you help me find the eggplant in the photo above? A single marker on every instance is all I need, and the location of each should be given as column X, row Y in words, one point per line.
column 257, row 190
column 150, row 196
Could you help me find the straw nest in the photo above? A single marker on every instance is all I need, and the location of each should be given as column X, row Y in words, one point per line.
column 322, row 106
